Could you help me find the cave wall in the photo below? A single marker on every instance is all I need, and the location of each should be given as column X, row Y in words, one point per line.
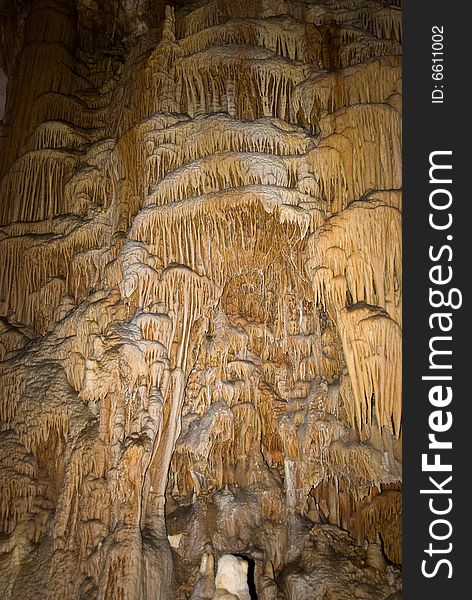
column 200, row 334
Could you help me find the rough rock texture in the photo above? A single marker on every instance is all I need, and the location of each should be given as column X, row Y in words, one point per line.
column 200, row 338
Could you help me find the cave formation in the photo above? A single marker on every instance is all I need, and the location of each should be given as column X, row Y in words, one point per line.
column 200, row 299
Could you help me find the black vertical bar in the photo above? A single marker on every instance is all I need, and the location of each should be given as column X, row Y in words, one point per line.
column 436, row 119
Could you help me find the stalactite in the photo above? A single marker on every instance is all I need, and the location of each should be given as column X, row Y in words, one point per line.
column 327, row 92
column 384, row 23
column 371, row 337
column 382, row 508
column 202, row 17
column 267, row 77
column 56, row 135
column 283, row 37
column 339, row 248
column 372, row 345
column 33, row 185
column 31, row 261
column 18, row 481
column 185, row 141
column 200, row 331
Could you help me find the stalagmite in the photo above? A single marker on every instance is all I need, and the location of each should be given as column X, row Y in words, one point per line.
column 231, row 579
column 200, row 300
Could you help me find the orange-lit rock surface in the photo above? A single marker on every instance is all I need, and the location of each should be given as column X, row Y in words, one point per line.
column 200, row 299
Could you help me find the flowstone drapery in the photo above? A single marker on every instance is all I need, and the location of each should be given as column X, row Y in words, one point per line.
column 200, row 338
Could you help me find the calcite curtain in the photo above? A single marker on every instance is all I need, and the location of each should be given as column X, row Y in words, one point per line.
column 200, row 299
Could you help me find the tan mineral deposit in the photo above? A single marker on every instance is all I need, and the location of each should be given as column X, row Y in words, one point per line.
column 200, row 300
